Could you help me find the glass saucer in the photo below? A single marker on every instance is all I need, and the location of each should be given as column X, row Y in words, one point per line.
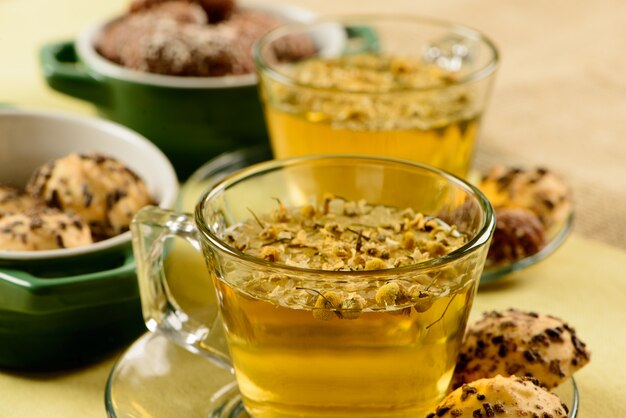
column 158, row 379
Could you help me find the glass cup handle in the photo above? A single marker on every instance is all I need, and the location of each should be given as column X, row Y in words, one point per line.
column 151, row 228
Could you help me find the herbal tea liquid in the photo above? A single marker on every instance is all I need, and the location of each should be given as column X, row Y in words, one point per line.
column 394, row 363
column 375, row 104
column 359, row 330
column 448, row 146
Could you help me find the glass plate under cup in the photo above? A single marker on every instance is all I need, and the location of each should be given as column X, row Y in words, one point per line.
column 158, row 379
column 225, row 164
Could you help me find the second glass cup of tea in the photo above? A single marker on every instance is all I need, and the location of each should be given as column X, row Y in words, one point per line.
column 362, row 328
column 394, row 86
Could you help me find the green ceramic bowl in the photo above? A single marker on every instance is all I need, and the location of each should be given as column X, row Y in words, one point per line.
column 191, row 119
column 55, row 323
column 66, row 307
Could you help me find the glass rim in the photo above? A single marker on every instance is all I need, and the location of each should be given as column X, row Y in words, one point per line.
column 480, row 238
column 265, row 68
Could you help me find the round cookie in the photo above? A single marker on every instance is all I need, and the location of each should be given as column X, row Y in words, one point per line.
column 147, row 42
column 520, row 343
column 42, row 229
column 194, row 38
column 14, row 200
column 102, row 191
column 505, row 397
column 538, row 190
column 518, row 234
column 124, row 33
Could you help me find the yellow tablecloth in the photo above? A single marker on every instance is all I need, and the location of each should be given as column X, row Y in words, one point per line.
column 559, row 94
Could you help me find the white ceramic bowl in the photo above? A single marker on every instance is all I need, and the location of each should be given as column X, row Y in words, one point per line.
column 29, row 139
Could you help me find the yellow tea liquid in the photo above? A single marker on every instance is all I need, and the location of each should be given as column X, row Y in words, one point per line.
column 392, row 363
column 449, row 146
column 374, row 104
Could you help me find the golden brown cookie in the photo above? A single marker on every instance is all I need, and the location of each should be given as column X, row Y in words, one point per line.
column 101, row 190
column 538, row 190
column 13, row 200
column 42, row 229
column 503, row 397
column 520, row 343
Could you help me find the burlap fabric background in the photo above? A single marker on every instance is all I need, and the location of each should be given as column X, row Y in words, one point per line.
column 560, row 101
column 560, row 94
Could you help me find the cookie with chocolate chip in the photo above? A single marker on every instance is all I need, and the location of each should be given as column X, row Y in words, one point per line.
column 538, row 190
column 515, row 342
column 101, row 190
column 14, row 200
column 42, row 229
column 501, row 397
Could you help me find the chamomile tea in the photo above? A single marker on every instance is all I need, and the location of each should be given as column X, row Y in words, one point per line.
column 360, row 343
column 374, row 104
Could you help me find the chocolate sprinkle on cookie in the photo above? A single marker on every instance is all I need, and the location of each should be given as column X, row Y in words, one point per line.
column 13, row 200
column 538, row 190
column 102, row 191
column 501, row 396
column 522, row 343
column 42, row 229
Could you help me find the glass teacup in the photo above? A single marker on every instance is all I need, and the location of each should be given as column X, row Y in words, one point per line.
column 395, row 86
column 290, row 359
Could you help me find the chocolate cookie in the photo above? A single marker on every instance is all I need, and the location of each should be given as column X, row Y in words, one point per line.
column 518, row 234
